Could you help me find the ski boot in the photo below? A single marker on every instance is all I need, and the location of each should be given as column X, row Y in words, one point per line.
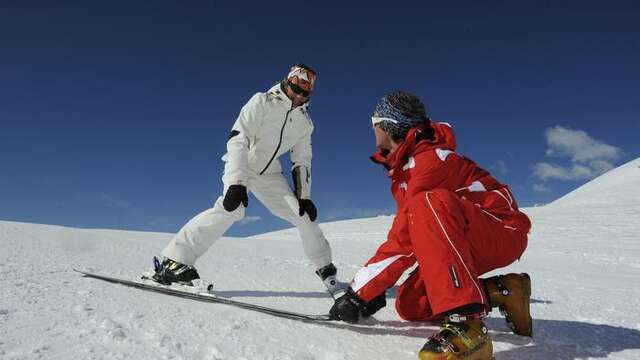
column 328, row 276
column 510, row 293
column 460, row 338
column 170, row 271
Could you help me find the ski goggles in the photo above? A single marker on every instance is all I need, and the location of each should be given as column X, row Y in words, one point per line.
column 375, row 120
column 298, row 90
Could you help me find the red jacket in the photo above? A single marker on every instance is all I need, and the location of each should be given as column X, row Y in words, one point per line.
column 420, row 164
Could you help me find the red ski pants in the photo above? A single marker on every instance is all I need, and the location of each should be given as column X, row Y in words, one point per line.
column 454, row 242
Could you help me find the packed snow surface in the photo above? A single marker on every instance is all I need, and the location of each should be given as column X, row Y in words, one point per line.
column 583, row 257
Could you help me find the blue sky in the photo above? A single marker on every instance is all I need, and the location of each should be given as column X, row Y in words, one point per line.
column 115, row 114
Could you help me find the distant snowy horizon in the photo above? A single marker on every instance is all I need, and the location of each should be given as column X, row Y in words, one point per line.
column 252, row 219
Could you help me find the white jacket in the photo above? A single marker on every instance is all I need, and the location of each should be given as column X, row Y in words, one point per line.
column 266, row 128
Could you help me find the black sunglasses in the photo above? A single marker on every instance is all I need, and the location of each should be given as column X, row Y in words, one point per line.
column 298, row 90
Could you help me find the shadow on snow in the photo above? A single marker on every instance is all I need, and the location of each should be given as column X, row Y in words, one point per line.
column 566, row 340
column 553, row 339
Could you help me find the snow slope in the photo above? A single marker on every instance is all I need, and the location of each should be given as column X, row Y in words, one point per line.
column 620, row 186
column 584, row 259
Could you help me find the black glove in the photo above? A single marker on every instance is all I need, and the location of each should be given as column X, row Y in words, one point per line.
column 306, row 206
column 374, row 305
column 349, row 307
column 235, row 195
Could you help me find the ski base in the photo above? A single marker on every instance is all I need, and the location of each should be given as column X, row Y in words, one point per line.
column 206, row 297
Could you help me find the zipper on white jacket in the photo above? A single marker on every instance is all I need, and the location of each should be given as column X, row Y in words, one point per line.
column 286, row 117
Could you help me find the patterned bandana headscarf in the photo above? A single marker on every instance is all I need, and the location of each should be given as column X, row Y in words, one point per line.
column 395, row 121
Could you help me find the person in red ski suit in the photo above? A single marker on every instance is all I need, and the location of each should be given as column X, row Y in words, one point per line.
column 453, row 218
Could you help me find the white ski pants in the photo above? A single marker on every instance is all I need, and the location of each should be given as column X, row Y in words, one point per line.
column 197, row 235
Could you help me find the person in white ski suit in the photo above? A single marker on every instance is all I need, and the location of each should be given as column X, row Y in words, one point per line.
column 269, row 125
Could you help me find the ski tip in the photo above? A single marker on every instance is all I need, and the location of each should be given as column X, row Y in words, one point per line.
column 83, row 272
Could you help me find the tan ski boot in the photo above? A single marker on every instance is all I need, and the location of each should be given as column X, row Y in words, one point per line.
column 460, row 338
column 511, row 293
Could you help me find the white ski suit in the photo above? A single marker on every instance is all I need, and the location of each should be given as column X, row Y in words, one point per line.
column 266, row 128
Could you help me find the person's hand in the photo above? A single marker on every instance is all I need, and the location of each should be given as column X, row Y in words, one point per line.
column 235, row 195
column 347, row 307
column 374, row 305
column 350, row 308
column 307, row 206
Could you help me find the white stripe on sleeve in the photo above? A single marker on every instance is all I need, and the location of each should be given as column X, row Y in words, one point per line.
column 369, row 272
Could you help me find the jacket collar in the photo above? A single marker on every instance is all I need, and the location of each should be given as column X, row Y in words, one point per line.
column 418, row 140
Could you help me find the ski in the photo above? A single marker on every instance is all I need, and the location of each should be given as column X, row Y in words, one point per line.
column 206, row 297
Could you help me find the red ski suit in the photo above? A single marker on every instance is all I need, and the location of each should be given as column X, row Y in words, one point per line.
column 453, row 218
